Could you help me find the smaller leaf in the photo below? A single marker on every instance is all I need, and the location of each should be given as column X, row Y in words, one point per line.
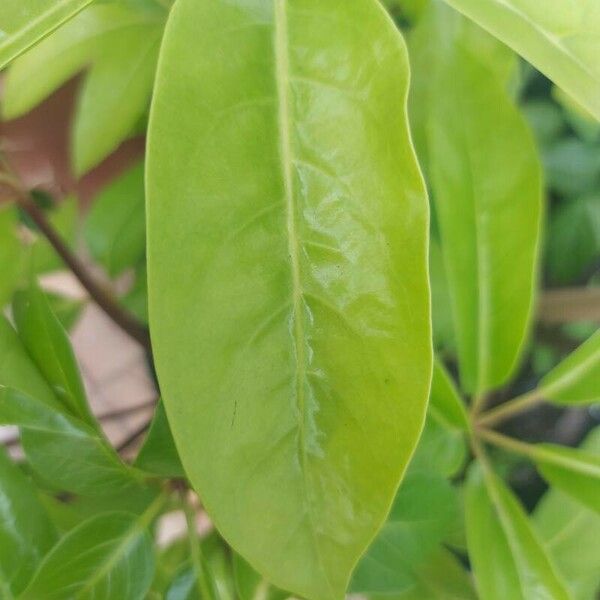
column 26, row 532
column 25, row 22
column 115, row 229
column 158, row 454
column 250, row 585
column 423, row 513
column 572, row 470
column 445, row 401
column 11, row 253
column 48, row 345
column 109, row 556
column 507, row 558
column 576, row 380
column 64, row 451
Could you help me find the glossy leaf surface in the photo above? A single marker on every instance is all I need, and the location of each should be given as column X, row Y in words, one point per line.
column 507, row 557
column 25, row 22
column 422, row 515
column 26, row 532
column 107, row 557
column 561, row 39
column 576, row 380
column 287, row 275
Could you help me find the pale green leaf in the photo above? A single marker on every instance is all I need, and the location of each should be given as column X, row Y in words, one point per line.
column 481, row 158
column 423, row 513
column 287, row 235
column 250, row 585
column 26, row 533
column 25, row 22
column 105, row 558
column 158, row 454
column 561, row 39
column 507, row 557
column 571, row 535
column 115, row 229
column 11, row 255
column 65, row 452
column 47, row 344
column 115, row 94
column 576, row 380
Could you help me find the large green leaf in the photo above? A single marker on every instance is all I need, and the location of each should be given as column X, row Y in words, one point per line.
column 561, row 39
column 423, row 513
column 576, row 380
column 486, row 182
column 25, row 22
column 65, row 452
column 107, row 557
column 26, row 533
column 507, row 557
column 115, row 229
column 571, row 535
column 287, row 230
column 48, row 345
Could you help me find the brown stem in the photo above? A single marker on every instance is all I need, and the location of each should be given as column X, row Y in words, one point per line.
column 133, row 436
column 101, row 296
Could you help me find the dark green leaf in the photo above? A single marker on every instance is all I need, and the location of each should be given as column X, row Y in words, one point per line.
column 287, row 230
column 11, row 253
column 250, row 585
column 26, row 533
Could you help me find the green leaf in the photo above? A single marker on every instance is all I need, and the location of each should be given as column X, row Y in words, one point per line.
column 25, row 22
column 482, row 157
column 158, row 454
column 576, row 380
column 288, row 281
column 443, row 445
column 115, row 229
column 440, row 577
column 423, row 513
column 571, row 535
column 65, row 452
column 26, row 533
column 115, row 94
column 506, row 555
column 573, row 242
column 11, row 255
column 109, row 556
column 70, row 49
column 561, row 39
column 48, row 345
column 443, row 328
column 574, row 471
column 169, row 562
column 250, row 585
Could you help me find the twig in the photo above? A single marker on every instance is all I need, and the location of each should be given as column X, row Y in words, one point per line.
column 569, row 305
column 510, row 408
column 133, row 436
column 101, row 296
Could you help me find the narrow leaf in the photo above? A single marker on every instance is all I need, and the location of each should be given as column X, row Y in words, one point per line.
column 65, row 452
column 115, row 229
column 287, row 230
column 507, row 557
column 482, row 158
column 561, row 39
column 48, row 345
column 11, row 253
column 26, row 533
column 25, row 22
column 109, row 556
column 423, row 512
column 576, row 380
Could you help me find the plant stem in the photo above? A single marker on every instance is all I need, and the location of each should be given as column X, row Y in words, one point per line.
column 507, row 443
column 510, row 408
column 101, row 296
column 203, row 586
